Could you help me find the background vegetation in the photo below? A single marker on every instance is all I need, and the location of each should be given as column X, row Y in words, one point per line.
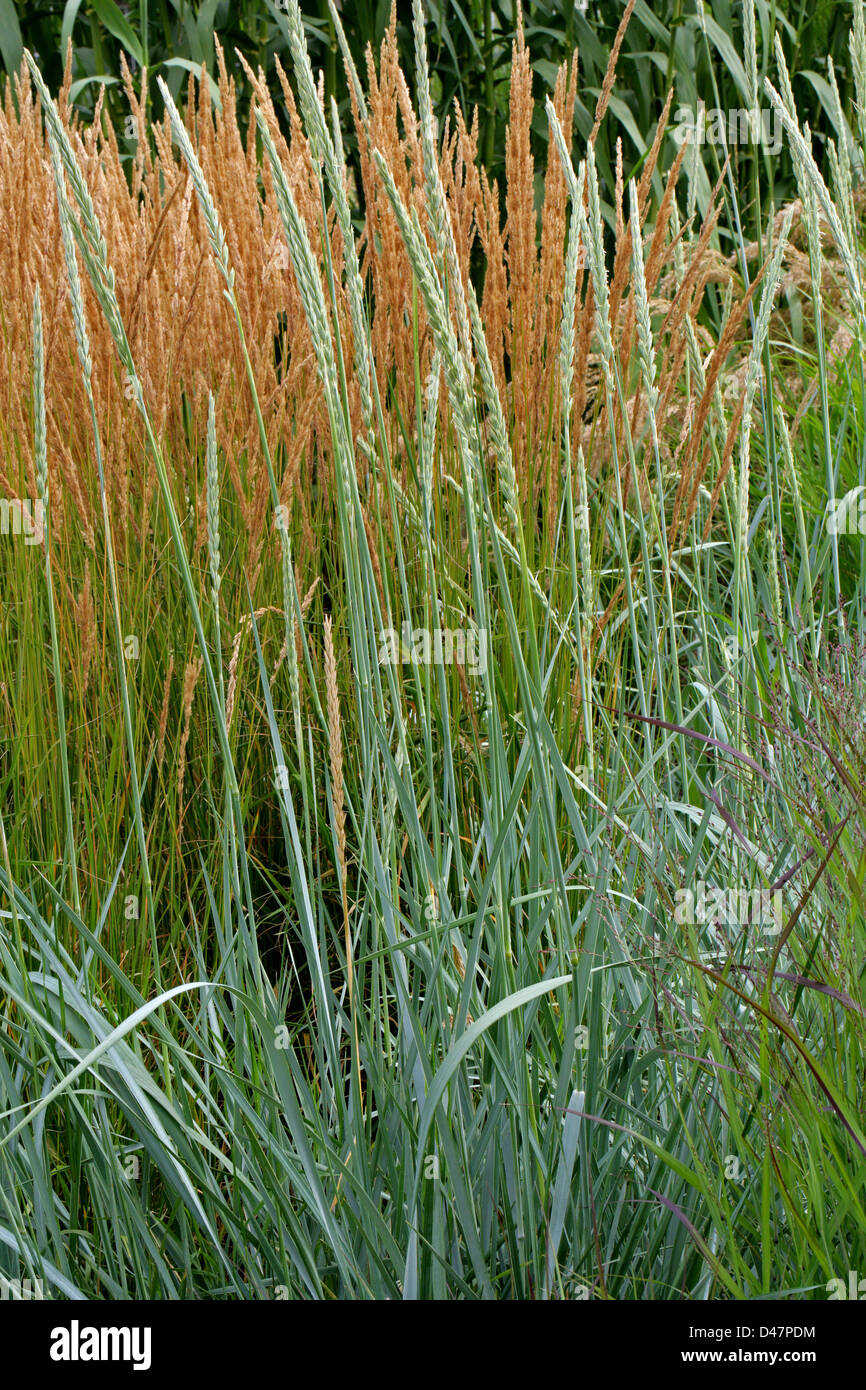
column 694, row 48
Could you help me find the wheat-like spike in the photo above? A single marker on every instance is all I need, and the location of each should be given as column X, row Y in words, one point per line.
column 840, row 161
column 813, row 174
column 429, row 134
column 857, row 46
column 787, row 91
column 592, row 228
column 355, row 284
column 349, row 61
column 753, row 370
column 306, row 272
column 768, row 297
column 809, row 199
column 95, row 260
column 837, row 178
column 569, row 297
column 790, row 471
column 646, row 352
column 574, row 246
column 562, row 150
column 315, row 308
column 311, row 110
column 804, row 188
column 86, row 231
column 839, row 118
column 751, row 54
column 840, row 170
column 337, row 139
column 440, row 322
column 328, row 151
column 79, row 320
column 89, row 234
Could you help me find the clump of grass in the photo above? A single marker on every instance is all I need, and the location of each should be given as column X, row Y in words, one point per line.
column 428, row 1017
